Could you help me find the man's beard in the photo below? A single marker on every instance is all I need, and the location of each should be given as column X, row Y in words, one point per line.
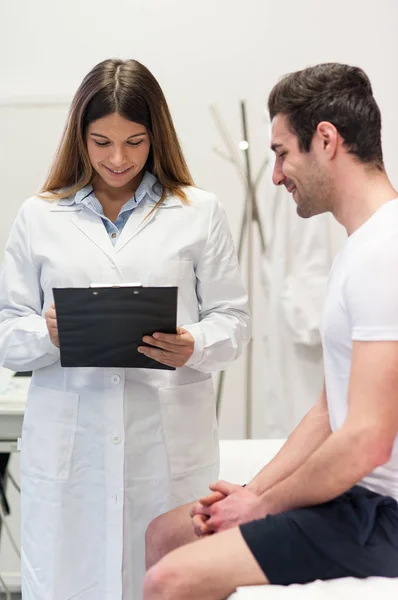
column 317, row 200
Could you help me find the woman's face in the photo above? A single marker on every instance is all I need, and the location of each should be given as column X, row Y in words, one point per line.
column 118, row 149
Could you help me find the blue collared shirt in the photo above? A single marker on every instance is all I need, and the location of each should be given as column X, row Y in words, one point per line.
column 149, row 186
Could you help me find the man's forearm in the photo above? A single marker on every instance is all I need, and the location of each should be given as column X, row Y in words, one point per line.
column 312, row 431
column 338, row 464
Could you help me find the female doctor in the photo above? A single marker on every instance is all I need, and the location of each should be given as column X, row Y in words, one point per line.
column 105, row 450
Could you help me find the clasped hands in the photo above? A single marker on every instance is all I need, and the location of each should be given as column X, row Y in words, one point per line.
column 229, row 505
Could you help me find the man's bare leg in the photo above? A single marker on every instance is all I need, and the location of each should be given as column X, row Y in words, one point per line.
column 168, row 532
column 209, row 569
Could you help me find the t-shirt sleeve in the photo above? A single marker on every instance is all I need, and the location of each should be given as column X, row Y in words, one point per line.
column 372, row 292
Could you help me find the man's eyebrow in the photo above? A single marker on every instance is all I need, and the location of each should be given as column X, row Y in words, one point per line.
column 275, row 147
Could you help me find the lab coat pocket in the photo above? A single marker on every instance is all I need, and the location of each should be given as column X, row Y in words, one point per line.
column 48, row 432
column 189, row 425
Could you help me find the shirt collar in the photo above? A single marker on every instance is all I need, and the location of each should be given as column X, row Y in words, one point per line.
column 83, row 193
column 149, row 185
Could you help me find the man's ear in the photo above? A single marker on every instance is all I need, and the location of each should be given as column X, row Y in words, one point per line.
column 328, row 138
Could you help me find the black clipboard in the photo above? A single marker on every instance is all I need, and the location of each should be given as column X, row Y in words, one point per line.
column 103, row 326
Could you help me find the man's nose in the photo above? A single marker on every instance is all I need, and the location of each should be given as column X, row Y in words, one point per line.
column 278, row 177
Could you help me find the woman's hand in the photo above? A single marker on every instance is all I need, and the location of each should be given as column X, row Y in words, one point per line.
column 170, row 349
column 51, row 322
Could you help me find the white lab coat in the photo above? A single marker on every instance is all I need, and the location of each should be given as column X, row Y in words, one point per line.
column 295, row 270
column 105, row 450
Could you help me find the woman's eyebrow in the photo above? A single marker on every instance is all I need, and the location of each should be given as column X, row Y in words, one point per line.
column 106, row 138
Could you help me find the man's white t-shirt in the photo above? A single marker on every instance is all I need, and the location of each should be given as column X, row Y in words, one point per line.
column 362, row 305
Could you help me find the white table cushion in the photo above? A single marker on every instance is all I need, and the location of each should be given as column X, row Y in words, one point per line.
column 348, row 588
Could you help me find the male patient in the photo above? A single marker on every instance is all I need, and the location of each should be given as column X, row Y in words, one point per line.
column 326, row 505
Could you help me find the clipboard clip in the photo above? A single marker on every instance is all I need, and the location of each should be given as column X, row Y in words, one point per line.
column 115, row 285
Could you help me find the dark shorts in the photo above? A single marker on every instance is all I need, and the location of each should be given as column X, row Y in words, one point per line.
column 355, row 535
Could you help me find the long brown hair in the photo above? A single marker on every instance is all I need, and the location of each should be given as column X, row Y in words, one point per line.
column 129, row 89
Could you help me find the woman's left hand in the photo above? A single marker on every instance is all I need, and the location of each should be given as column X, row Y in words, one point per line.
column 169, row 349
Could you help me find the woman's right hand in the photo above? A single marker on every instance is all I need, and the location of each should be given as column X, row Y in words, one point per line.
column 51, row 322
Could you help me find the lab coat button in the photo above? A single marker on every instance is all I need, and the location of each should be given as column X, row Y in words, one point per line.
column 115, row 379
column 116, row 439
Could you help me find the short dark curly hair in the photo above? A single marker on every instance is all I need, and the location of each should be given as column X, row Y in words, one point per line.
column 333, row 92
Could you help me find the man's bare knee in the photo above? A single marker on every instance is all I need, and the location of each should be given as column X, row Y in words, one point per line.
column 167, row 532
column 163, row 582
column 156, row 540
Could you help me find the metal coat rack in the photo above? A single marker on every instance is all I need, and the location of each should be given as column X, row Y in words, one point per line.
column 250, row 219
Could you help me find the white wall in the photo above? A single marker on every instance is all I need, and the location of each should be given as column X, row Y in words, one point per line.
column 212, row 51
